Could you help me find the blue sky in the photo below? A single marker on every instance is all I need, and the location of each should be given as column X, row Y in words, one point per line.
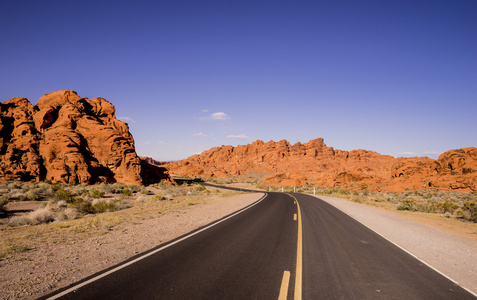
column 396, row 77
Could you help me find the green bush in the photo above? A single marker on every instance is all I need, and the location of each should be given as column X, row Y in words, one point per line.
column 62, row 194
column 96, row 193
column 408, row 204
column 33, row 194
column 83, row 206
column 105, row 206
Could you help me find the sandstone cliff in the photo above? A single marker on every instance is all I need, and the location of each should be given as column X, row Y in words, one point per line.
column 66, row 138
column 314, row 163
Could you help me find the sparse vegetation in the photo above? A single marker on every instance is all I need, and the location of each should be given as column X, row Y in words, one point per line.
column 61, row 202
column 86, row 210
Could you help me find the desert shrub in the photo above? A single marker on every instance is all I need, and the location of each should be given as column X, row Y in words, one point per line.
column 145, row 191
column 62, row 194
column 125, row 192
column 159, row 197
column 19, row 221
column 83, row 206
column 71, row 213
column 3, row 202
column 407, row 204
column 134, row 188
column 34, row 194
column 142, row 198
column 200, row 187
column 41, row 215
column 469, row 211
column 14, row 185
column 17, row 194
column 104, row 206
column 67, row 214
column 78, row 190
column 96, row 193
column 100, row 206
column 447, row 206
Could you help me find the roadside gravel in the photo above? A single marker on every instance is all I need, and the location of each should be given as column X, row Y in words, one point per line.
column 452, row 255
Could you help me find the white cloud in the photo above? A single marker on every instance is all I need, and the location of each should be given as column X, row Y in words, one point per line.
column 200, row 134
column 240, row 136
column 432, row 152
column 126, row 119
column 147, row 143
column 221, row 116
column 205, row 110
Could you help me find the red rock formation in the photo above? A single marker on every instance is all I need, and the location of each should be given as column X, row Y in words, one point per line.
column 314, row 163
column 66, row 138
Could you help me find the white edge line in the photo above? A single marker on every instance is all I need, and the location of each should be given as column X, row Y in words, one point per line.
column 408, row 252
column 80, row 285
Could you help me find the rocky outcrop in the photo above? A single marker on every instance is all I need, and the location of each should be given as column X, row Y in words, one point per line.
column 314, row 163
column 453, row 170
column 66, row 138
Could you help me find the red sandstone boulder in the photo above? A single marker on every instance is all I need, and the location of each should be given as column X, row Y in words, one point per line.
column 66, row 138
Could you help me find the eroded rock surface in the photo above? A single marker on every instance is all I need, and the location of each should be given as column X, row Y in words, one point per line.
column 67, row 138
column 314, row 163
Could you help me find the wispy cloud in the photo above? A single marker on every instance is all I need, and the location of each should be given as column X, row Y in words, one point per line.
column 126, row 119
column 205, row 110
column 217, row 116
column 220, row 116
column 200, row 134
column 240, row 136
column 432, row 152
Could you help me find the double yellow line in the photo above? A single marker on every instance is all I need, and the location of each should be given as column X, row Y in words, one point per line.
column 299, row 262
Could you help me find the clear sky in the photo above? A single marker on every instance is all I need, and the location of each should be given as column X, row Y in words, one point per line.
column 396, row 77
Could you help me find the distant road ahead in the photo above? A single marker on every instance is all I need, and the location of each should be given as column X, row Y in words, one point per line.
column 260, row 254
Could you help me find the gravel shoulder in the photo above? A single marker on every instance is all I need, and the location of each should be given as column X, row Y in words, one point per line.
column 64, row 255
column 450, row 251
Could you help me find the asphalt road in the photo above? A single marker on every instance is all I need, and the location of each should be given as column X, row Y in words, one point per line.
column 275, row 248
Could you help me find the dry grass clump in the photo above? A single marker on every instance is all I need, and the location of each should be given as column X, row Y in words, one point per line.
column 39, row 216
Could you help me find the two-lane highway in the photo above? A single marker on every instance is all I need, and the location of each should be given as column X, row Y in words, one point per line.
column 286, row 245
column 343, row 259
column 243, row 257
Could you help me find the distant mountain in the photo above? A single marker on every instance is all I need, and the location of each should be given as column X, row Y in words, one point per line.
column 154, row 162
column 315, row 164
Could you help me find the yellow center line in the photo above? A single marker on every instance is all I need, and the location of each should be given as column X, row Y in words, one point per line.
column 299, row 256
column 284, row 287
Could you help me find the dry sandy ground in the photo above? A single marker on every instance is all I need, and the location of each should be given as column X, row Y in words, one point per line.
column 49, row 266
